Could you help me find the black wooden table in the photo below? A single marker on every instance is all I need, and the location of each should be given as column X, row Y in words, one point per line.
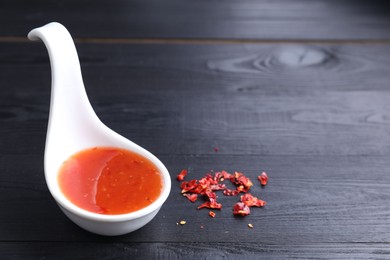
column 299, row 89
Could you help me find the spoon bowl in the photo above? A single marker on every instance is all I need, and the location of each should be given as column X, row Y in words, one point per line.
column 73, row 126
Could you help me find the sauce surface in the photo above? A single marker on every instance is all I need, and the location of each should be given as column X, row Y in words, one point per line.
column 109, row 180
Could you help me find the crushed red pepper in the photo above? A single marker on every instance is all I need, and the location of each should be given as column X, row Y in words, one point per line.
column 212, row 214
column 241, row 181
column 263, row 178
column 211, row 205
column 182, row 174
column 241, row 209
column 251, row 201
column 229, row 192
column 210, row 183
column 191, row 197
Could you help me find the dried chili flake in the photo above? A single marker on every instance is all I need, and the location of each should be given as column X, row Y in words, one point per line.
column 216, row 149
column 242, row 182
column 221, row 176
column 181, row 175
column 191, row 197
column 199, row 189
column 263, row 178
column 241, row 209
column 211, row 205
column 210, row 195
column 212, row 214
column 242, row 188
column 226, row 175
column 218, row 186
column 228, row 192
column 211, row 182
column 188, row 185
column 208, row 180
column 251, row 201
column 218, row 176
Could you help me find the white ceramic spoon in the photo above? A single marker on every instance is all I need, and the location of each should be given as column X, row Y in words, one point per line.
column 74, row 126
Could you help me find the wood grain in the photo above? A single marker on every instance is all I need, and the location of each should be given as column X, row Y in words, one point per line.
column 192, row 251
column 299, row 89
column 203, row 19
column 311, row 199
column 251, row 99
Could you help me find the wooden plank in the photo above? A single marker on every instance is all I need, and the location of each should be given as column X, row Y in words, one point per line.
column 185, row 99
column 203, row 19
column 311, row 199
column 237, row 250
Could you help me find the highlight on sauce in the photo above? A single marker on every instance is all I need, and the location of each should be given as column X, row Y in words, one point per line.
column 109, row 180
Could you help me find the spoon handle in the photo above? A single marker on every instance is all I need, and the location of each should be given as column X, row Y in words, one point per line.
column 65, row 66
column 71, row 113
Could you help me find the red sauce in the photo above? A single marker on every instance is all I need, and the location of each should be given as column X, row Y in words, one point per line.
column 109, row 180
